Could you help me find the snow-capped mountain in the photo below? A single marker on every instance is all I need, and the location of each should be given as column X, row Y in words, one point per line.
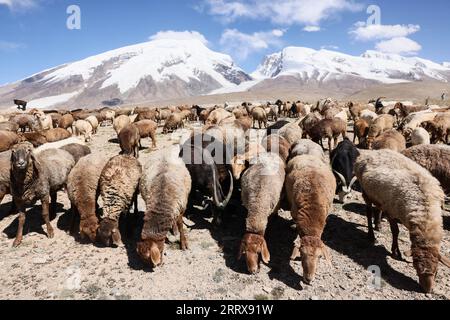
column 324, row 66
column 155, row 70
column 446, row 64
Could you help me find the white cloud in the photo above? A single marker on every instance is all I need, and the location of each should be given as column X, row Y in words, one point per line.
column 446, row 64
column 10, row 46
column 241, row 45
column 312, row 29
column 281, row 12
column 399, row 45
column 179, row 35
column 18, row 4
column 364, row 32
column 329, row 47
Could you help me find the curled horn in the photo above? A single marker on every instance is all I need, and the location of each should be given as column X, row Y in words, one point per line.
column 344, row 183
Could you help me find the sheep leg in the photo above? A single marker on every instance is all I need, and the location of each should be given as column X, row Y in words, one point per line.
column 54, row 199
column 73, row 219
column 369, row 214
column 46, row 216
column 19, row 235
column 153, row 136
column 377, row 219
column 396, row 254
column 183, row 240
column 330, row 144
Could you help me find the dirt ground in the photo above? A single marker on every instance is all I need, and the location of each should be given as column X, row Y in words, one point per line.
column 62, row 268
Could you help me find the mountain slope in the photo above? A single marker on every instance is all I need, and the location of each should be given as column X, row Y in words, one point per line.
column 149, row 71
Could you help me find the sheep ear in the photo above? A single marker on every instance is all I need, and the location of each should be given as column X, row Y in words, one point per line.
column 155, row 255
column 265, row 252
column 36, row 163
column 444, row 260
column 327, row 255
column 295, row 253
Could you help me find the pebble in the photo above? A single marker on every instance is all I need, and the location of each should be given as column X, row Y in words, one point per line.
column 267, row 290
column 40, row 260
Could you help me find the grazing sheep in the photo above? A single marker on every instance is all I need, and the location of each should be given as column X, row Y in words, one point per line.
column 129, row 140
column 24, row 121
column 329, row 129
column 381, row 124
column 77, row 151
column 305, row 147
column 145, row 114
column 218, row 115
column 439, row 128
column 277, row 145
column 415, row 120
column 8, row 139
column 368, row 116
column 309, row 122
column 147, row 129
column 121, row 122
column 173, row 123
column 165, row 187
column 262, row 185
column 259, row 115
column 83, row 128
column 391, row 139
column 94, row 123
column 37, row 139
column 162, row 115
column 5, row 167
column 361, row 130
column 434, row 158
column 245, row 122
column 9, row 126
column 384, row 175
column 118, row 188
column 420, row 136
column 56, row 118
column 37, row 177
column 55, row 135
column 83, row 191
column 241, row 162
column 291, row 132
column 310, row 187
column 66, row 122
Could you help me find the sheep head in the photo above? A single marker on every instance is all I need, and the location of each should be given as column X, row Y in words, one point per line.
column 22, row 157
column 252, row 246
column 425, row 261
column 108, row 233
column 151, row 251
column 310, row 249
column 88, row 228
column 238, row 166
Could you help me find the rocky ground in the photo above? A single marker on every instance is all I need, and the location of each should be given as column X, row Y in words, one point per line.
column 62, row 268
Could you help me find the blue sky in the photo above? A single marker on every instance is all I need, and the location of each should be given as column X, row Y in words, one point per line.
column 34, row 36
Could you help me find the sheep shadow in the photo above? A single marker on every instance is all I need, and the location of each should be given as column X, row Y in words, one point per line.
column 114, row 141
column 357, row 208
column 5, row 210
column 33, row 222
column 353, row 243
column 445, row 218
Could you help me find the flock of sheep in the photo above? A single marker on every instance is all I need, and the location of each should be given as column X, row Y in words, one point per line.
column 286, row 168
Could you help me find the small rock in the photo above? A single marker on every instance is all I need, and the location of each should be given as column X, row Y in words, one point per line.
column 40, row 260
column 267, row 289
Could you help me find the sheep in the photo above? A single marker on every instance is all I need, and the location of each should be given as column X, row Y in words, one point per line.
column 5, row 167
column 291, row 132
column 360, row 130
column 259, row 115
column 262, row 185
column 310, row 187
column 309, row 122
column 9, row 126
column 439, row 128
column 173, row 123
column 434, row 158
column 37, row 139
column 145, row 114
column 420, row 136
column 162, row 115
column 94, row 123
column 381, row 124
column 245, row 122
column 218, row 115
column 273, row 129
column 147, row 129
column 391, row 139
column 56, row 118
column 368, row 116
column 44, row 121
column 37, row 177
column 415, row 120
column 77, row 151
column 83, row 128
column 58, row 145
column 8, row 139
column 241, row 162
column 121, row 122
column 118, row 188
column 165, row 187
column 66, row 122
column 384, row 175
column 25, row 121
column 83, row 192
column 277, row 145
column 307, row 147
column 329, row 129
column 3, row 119
column 129, row 140
column 55, row 135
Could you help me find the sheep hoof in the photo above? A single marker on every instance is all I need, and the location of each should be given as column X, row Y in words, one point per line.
column 50, row 234
column 17, row 243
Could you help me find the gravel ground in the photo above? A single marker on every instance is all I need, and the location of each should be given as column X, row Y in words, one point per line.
column 62, row 268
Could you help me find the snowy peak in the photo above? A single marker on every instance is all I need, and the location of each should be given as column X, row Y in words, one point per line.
column 324, row 65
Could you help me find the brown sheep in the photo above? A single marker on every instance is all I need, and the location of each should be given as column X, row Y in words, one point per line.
column 381, row 124
column 439, row 128
column 241, row 162
column 329, row 129
column 56, row 118
column 119, row 189
column 383, row 176
column 66, row 122
column 77, row 151
column 94, row 123
column 434, row 158
column 147, row 129
column 145, row 114
column 277, row 145
column 120, row 123
column 9, row 126
column 55, row 135
column 173, row 123
column 165, row 188
column 218, row 115
column 37, row 177
column 162, row 115
column 310, row 187
column 8, row 139
column 361, row 131
column 83, row 191
column 24, row 121
column 5, row 167
column 37, row 139
column 259, row 115
column 245, row 122
column 129, row 140
column 391, row 139
column 262, row 185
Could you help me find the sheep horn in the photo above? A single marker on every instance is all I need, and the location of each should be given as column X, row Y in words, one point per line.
column 222, row 205
column 352, row 183
column 344, row 183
